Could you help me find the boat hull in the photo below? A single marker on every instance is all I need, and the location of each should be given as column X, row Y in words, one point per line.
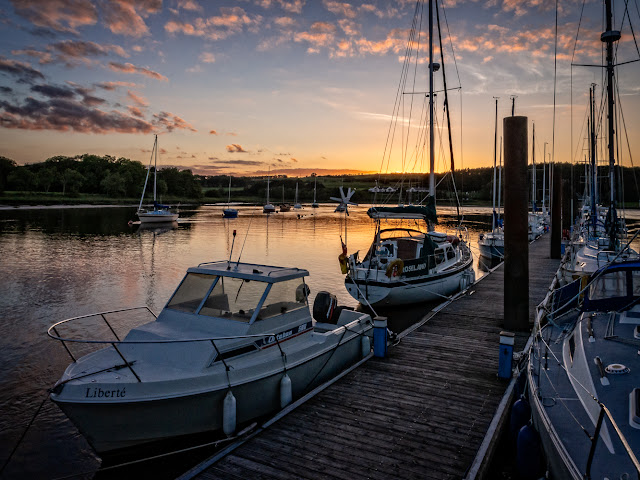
column 416, row 290
column 114, row 426
column 157, row 217
column 491, row 251
column 230, row 213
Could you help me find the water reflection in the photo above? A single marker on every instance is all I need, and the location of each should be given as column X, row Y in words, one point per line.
column 60, row 263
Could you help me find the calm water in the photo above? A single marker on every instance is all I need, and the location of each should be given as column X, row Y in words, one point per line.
column 60, row 263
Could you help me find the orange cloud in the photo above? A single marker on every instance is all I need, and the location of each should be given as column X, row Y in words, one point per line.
column 171, row 122
column 130, row 68
column 213, row 132
column 231, row 21
column 138, row 99
column 59, row 15
column 235, row 148
column 125, row 17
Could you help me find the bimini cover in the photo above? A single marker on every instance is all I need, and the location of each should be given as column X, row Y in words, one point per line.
column 159, row 205
column 426, row 212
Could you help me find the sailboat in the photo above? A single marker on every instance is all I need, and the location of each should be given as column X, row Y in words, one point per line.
column 159, row 213
column 284, row 207
column 268, row 207
column 229, row 212
column 406, row 264
column 315, row 183
column 296, row 204
column 491, row 244
column 582, row 372
column 536, row 225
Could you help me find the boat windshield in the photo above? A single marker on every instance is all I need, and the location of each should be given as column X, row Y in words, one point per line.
column 235, row 298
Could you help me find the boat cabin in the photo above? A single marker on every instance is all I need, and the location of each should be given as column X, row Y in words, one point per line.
column 242, row 298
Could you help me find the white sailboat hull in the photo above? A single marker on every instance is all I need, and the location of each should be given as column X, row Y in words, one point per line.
column 157, row 217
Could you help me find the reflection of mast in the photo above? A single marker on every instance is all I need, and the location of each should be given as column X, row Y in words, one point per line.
column 267, row 238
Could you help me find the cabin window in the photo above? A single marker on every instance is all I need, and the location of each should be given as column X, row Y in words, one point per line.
column 233, row 298
column 609, row 285
column 191, row 291
column 284, row 297
column 635, row 282
column 439, row 254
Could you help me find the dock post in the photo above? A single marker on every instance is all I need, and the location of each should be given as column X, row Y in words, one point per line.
column 516, row 225
column 507, row 340
column 556, row 218
column 380, row 337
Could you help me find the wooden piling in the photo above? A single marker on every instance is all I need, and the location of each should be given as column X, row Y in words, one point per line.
column 516, row 225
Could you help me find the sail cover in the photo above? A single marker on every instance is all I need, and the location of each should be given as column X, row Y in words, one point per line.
column 425, row 212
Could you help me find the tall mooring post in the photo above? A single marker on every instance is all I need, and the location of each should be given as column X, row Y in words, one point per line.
column 556, row 218
column 516, row 224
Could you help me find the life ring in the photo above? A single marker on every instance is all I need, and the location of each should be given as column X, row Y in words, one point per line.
column 394, row 269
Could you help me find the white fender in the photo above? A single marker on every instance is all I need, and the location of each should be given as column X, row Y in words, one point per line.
column 285, row 391
column 229, row 414
column 366, row 346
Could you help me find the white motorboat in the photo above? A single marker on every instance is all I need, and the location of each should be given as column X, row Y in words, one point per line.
column 160, row 213
column 234, row 342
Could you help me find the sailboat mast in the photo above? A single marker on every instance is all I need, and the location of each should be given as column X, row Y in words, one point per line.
column 229, row 200
column 268, row 173
column 155, row 172
column 609, row 37
column 432, row 178
column 315, row 183
column 533, row 158
column 592, row 157
column 544, row 174
column 495, row 152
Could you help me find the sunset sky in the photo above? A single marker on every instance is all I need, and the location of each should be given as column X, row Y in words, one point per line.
column 243, row 86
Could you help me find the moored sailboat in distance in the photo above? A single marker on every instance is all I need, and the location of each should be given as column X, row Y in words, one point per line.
column 296, row 204
column 491, row 244
column 406, row 264
column 315, row 183
column 229, row 212
column 160, row 213
column 268, row 207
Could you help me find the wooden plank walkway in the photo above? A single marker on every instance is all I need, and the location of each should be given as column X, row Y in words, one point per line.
column 422, row 412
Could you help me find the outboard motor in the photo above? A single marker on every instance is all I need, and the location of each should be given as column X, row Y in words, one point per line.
column 324, row 307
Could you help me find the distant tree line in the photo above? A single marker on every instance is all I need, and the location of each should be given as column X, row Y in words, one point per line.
column 123, row 178
column 92, row 174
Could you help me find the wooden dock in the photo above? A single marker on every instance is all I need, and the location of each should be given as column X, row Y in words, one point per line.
column 425, row 411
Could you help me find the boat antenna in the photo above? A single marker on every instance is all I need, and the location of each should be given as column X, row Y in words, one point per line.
column 231, row 252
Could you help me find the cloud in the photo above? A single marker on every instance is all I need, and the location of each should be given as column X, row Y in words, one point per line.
column 235, row 148
column 59, row 15
column 213, row 132
column 6, row 89
column 240, row 162
column 21, row 70
column 231, row 21
column 53, row 91
column 72, row 52
column 190, row 5
column 207, row 57
column 125, row 17
column 293, row 6
column 130, row 68
column 340, row 9
column 320, row 34
column 66, row 115
column 135, row 111
column 171, row 122
column 139, row 100
column 110, row 86
column 231, row 134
